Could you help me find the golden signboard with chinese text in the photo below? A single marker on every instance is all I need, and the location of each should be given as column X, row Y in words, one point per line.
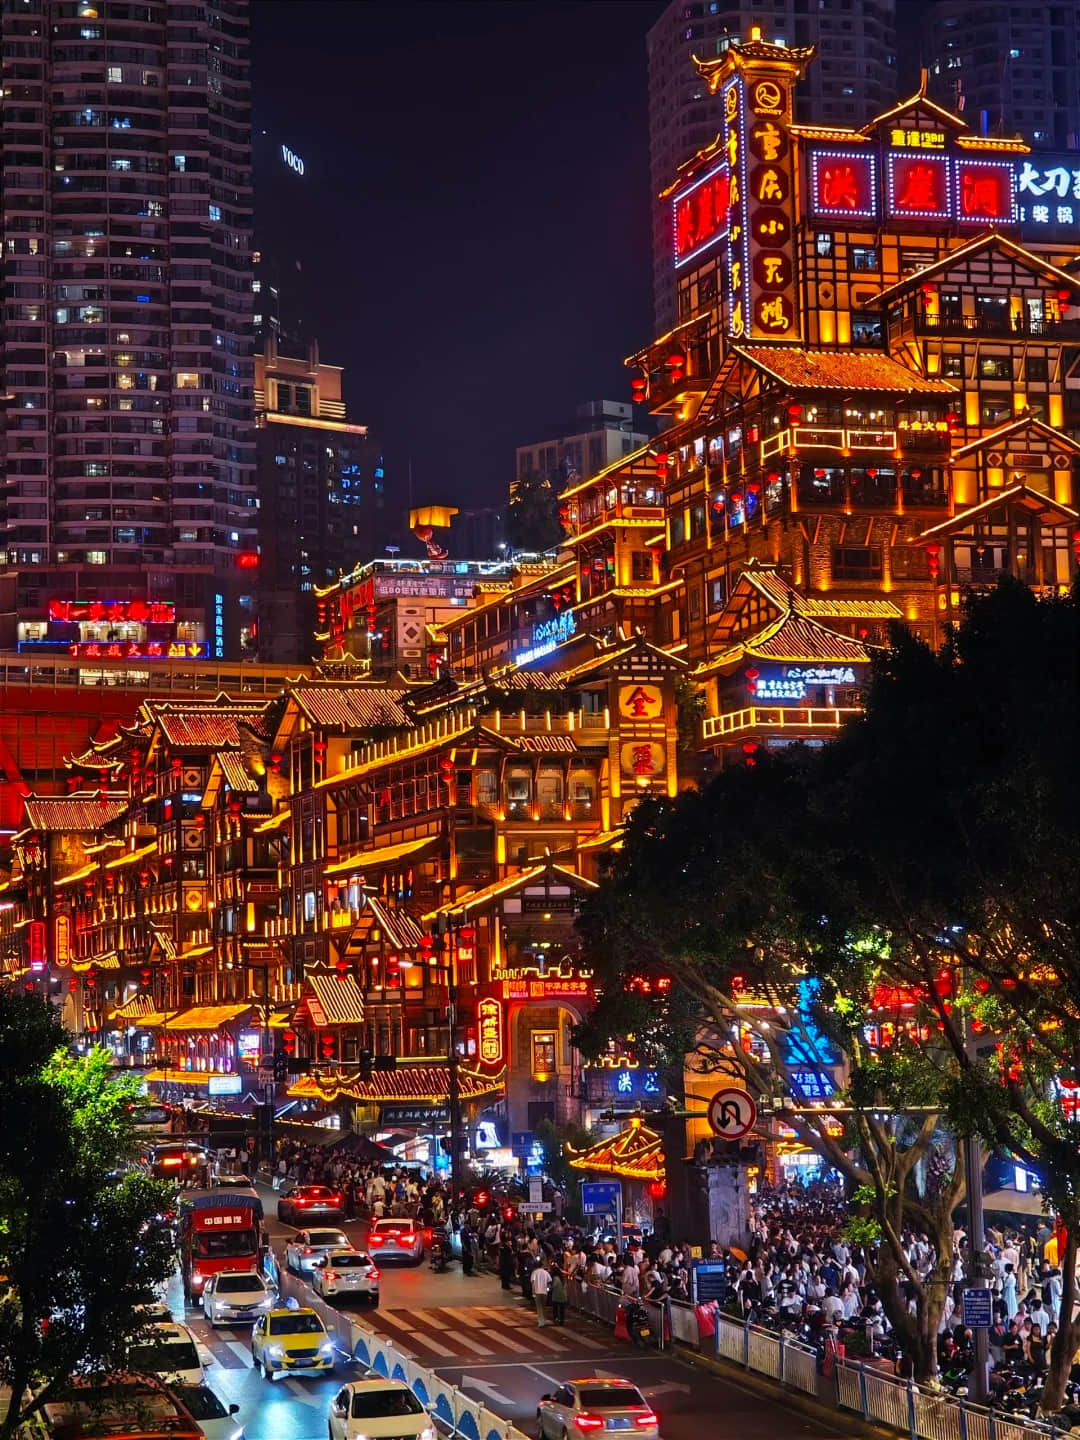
column 641, row 702
column 769, row 178
column 642, row 758
column 62, row 940
column 489, row 1032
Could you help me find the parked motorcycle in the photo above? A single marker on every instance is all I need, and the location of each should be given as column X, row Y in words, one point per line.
column 638, row 1325
column 440, row 1253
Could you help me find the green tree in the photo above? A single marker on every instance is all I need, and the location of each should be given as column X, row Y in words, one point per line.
column 922, row 872
column 532, row 517
column 719, row 891
column 955, row 806
column 82, row 1240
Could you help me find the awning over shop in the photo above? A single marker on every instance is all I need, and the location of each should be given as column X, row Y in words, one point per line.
column 111, row 961
column 133, row 856
column 361, row 860
column 135, row 1011
column 206, row 1018
column 635, row 1153
column 184, row 1077
column 333, row 999
column 543, row 879
column 423, row 1084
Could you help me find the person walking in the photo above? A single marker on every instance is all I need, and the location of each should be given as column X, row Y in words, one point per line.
column 541, row 1287
column 558, row 1296
column 507, row 1263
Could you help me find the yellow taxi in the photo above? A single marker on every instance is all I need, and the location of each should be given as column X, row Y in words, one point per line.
column 292, row 1342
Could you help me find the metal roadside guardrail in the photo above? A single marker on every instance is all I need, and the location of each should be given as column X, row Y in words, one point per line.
column 455, row 1411
column 879, row 1398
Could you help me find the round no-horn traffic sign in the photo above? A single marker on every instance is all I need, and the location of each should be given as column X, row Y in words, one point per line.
column 732, row 1114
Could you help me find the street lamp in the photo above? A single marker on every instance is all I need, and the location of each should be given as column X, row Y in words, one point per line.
column 447, row 942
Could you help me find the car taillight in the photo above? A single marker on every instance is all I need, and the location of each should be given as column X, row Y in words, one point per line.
column 332, row 1275
column 170, row 1161
column 590, row 1422
column 406, row 1239
column 648, row 1419
column 374, row 1274
column 375, row 1239
column 192, row 1159
column 307, row 1249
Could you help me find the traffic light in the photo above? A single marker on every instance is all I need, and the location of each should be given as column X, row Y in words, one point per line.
column 281, row 1067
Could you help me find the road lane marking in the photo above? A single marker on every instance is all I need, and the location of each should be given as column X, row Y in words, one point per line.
column 473, row 1345
column 505, row 1340
column 241, row 1351
column 546, row 1341
column 585, row 1340
column 551, row 1380
column 425, row 1317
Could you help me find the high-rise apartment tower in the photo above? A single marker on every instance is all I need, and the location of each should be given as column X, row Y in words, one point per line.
column 128, row 510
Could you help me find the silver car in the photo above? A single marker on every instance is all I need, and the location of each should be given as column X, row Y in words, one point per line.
column 233, row 1297
column 397, row 1240
column 307, row 1248
column 346, row 1272
column 592, row 1407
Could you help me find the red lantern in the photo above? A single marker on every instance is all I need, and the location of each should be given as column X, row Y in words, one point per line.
column 819, row 474
column 467, row 934
column 446, row 771
column 873, row 472
column 952, row 419
column 638, row 389
column 328, row 1045
column 934, row 555
column 676, row 364
column 426, row 944
column 288, row 1041
column 750, row 748
column 91, row 976
column 754, row 488
column 342, row 968
column 773, row 477
column 753, row 434
column 73, row 983
column 718, row 503
column 736, row 497
column 657, row 1189
column 144, row 976
column 794, row 413
column 1064, row 295
column 916, row 474
column 661, row 463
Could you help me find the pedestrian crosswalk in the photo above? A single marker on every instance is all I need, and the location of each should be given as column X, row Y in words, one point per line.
column 436, row 1334
column 478, row 1332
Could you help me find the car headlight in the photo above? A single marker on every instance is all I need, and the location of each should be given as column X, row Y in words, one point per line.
column 265, row 1303
column 275, row 1352
column 428, row 1433
column 327, row 1350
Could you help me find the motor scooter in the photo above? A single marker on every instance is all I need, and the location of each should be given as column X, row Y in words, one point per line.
column 638, row 1324
column 440, row 1253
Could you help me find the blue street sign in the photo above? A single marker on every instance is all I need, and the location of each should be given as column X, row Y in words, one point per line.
column 522, row 1142
column 978, row 1309
column 602, row 1197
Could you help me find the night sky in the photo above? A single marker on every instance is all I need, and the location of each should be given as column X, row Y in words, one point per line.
column 472, row 229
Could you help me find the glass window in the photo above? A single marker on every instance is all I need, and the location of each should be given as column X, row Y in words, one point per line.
column 543, row 1054
column 487, row 787
column 824, row 244
column 864, row 257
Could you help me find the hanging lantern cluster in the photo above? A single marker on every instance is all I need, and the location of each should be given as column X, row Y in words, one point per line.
column 562, row 598
column 446, row 770
column 639, row 388
column 288, row 1042
column 750, row 749
column 676, row 364
column 933, row 553
column 662, row 460
column 328, row 1045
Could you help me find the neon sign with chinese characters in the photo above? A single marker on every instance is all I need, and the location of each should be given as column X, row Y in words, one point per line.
column 699, row 215
column 139, row 612
column 769, row 196
column 919, row 186
column 1047, row 195
column 843, row 184
column 984, row 191
column 738, row 220
column 917, row 139
column 140, row 649
column 489, row 1030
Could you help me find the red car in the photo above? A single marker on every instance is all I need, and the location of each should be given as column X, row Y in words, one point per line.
column 310, row 1202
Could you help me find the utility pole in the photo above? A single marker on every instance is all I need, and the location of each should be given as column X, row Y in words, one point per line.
column 455, row 1085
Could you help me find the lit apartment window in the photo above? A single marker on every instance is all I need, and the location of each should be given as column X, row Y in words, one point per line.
column 96, row 557
column 115, row 76
column 215, row 212
column 187, row 380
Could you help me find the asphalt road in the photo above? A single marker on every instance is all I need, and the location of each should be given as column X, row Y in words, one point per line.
column 486, row 1341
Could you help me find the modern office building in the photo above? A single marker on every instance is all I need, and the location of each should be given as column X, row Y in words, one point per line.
column 320, row 488
column 128, row 444
column 601, row 431
column 854, row 79
column 1011, row 68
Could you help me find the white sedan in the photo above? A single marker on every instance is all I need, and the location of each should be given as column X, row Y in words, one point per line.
column 233, row 1297
column 397, row 1240
column 307, row 1248
column 378, row 1408
column 582, row 1406
column 168, row 1351
column 346, row 1272
column 214, row 1419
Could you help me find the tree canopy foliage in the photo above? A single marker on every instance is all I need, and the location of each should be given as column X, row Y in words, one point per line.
column 83, row 1240
column 919, row 876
